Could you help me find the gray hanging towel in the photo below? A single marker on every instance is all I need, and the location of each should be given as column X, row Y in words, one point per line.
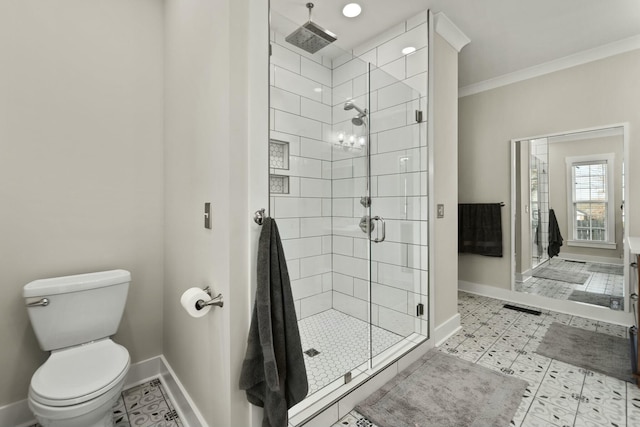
column 273, row 372
column 480, row 229
column 555, row 238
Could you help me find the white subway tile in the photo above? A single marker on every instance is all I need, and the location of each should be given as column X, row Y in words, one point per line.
column 316, row 304
column 360, row 166
column 318, row 226
column 396, row 94
column 404, row 231
column 389, row 252
column 342, row 93
column 305, row 167
column 342, row 169
column 355, row 267
column 289, row 228
column 294, row 208
column 396, row 69
column 379, row 79
column 312, row 187
column 293, row 267
column 285, row 101
column 301, row 248
column 327, row 95
column 315, row 110
column 416, row 37
column 342, row 59
column 419, row 82
column 293, row 140
column 388, row 118
column 417, row 62
column 326, row 169
column 399, row 277
column 360, row 85
column 386, row 296
column 399, row 138
column 315, row 265
column 346, row 227
column 315, row 149
column 361, row 289
column 349, row 71
column 292, row 82
column 352, row 306
column 361, row 245
column 400, row 184
column 343, row 245
column 306, row 287
column 379, row 39
column 327, row 282
column 316, row 72
column 370, row 56
column 302, row 126
column 343, row 284
column 285, row 58
column 349, row 187
column 343, row 207
column 397, row 208
column 326, row 244
column 414, row 260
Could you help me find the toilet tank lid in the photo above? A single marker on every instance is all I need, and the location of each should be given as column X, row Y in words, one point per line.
column 75, row 283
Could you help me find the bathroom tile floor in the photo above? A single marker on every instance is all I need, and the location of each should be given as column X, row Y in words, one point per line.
column 342, row 342
column 559, row 394
column 145, row 405
column 598, row 282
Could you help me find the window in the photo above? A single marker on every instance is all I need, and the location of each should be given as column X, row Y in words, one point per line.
column 591, row 202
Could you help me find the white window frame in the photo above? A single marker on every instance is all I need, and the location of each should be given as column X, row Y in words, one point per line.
column 610, row 243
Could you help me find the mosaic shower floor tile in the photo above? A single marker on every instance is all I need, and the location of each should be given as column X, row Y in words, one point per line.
column 559, row 394
column 145, row 405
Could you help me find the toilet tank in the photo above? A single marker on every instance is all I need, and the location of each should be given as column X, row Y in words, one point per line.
column 80, row 309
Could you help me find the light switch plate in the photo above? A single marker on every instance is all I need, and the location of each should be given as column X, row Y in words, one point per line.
column 207, row 215
column 440, row 211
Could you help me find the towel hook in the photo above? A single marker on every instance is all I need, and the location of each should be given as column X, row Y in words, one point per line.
column 258, row 216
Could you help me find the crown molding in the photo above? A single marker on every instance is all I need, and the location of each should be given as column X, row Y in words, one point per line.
column 450, row 32
column 601, row 52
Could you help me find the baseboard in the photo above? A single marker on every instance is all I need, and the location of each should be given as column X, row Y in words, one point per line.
column 446, row 329
column 590, row 258
column 18, row 414
column 573, row 308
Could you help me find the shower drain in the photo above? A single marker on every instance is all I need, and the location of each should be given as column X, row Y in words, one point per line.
column 312, row 352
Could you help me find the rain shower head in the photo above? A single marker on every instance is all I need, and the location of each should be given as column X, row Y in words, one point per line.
column 311, row 37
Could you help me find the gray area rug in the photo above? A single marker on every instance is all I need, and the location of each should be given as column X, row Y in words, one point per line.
column 439, row 390
column 597, row 299
column 606, row 268
column 561, row 275
column 590, row 350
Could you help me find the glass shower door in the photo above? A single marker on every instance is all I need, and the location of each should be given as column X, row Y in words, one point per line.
column 397, row 159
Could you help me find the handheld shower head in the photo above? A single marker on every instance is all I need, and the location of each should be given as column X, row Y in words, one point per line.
column 358, row 120
column 350, row 105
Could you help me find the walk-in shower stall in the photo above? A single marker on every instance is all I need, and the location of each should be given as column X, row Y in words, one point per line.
column 348, row 189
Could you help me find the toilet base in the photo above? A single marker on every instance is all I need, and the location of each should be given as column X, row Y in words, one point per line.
column 94, row 413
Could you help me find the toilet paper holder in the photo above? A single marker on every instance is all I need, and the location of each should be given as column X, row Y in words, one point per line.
column 217, row 300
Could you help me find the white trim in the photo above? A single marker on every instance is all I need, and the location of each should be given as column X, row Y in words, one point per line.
column 576, row 59
column 447, row 329
column 18, row 414
column 573, row 308
column 590, row 258
column 450, row 32
column 431, row 174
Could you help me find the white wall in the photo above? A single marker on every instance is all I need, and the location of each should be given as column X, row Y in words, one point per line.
column 80, row 163
column 599, row 93
column 445, row 101
column 207, row 124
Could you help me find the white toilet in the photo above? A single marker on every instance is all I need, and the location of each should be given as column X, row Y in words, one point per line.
column 73, row 317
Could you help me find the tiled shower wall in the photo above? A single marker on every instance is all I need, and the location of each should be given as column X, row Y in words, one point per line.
column 301, row 116
column 398, row 183
column 329, row 269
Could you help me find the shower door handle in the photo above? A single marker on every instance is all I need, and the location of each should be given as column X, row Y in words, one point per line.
column 383, row 229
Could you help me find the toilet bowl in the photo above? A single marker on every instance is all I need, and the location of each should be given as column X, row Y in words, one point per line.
column 77, row 387
column 73, row 317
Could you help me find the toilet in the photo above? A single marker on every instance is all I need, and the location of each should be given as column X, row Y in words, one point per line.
column 74, row 317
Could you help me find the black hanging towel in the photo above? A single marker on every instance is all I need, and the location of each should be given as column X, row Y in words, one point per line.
column 555, row 238
column 480, row 229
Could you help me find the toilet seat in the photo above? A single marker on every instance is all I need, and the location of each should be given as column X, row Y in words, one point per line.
column 78, row 374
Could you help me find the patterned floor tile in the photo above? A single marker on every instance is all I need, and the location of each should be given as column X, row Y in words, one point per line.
column 146, row 405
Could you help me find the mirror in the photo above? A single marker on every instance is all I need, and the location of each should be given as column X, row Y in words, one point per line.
column 568, row 209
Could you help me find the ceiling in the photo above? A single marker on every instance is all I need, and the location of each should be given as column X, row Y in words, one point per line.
column 506, row 35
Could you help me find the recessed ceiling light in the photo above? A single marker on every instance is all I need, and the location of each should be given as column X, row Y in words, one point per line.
column 407, row 50
column 351, row 10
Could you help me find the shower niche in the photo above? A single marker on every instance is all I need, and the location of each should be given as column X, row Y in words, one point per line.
column 346, row 146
